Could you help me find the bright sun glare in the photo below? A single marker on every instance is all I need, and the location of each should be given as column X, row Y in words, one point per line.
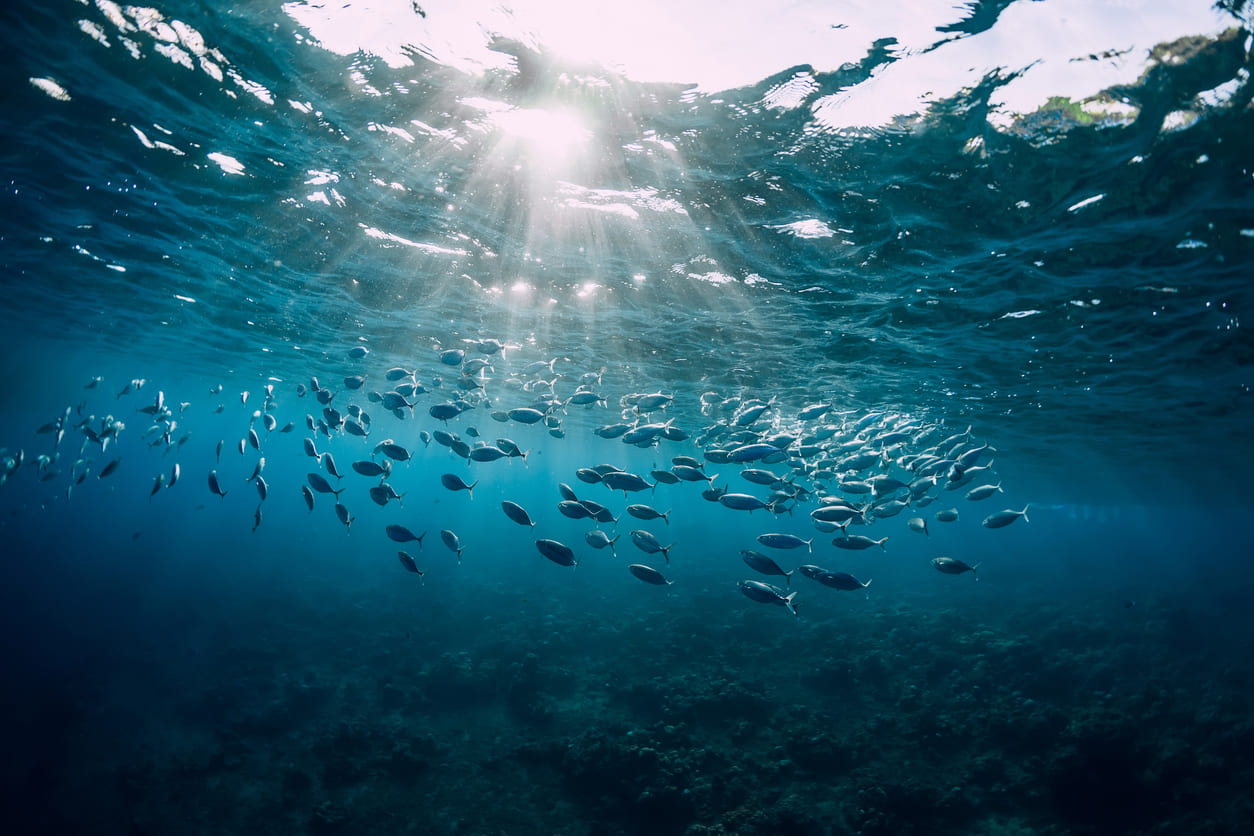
column 553, row 134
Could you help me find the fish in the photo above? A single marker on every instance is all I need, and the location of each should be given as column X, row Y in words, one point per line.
column 649, row 544
column 397, row 373
column 455, row 483
column 567, row 492
column 598, row 539
column 751, row 452
column 644, row 434
column 253, row 439
column 487, row 453
column 308, row 494
column 559, row 553
column 785, row 541
column 574, row 509
column 175, row 472
column 156, row 485
column 622, row 481
column 599, row 512
column 741, row 502
column 262, row 488
column 1000, row 519
column 917, row 524
column 401, row 534
column 836, row 513
column 947, row 515
column 214, row 487
column 650, row 402
column 857, row 542
column 393, row 451
column 256, row 519
column 765, row 593
column 759, row 476
column 382, row 494
column 409, row 564
column 648, row 574
column 517, row 513
column 612, row 431
column 357, row 352
column 328, row 461
column 664, row 477
column 761, row 563
column 983, row 492
column 953, row 566
column 810, row 570
column 369, row 468
column 321, row 485
column 646, row 512
column 109, row 468
column 689, row 473
column 454, row 544
column 817, row 410
column 342, row 513
column 218, row 452
column 261, row 465
column 588, row 475
column 841, row 580
column 525, row 415
column 585, row 398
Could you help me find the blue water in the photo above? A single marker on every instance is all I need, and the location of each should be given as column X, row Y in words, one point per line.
column 727, row 207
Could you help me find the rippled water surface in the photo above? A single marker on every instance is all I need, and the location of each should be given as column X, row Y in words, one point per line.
column 1026, row 225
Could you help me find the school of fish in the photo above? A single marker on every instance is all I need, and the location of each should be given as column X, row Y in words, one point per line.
column 848, row 471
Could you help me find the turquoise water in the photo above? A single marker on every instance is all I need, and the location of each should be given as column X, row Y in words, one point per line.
column 1021, row 225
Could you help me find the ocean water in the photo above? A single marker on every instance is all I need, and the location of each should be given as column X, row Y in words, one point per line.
column 1012, row 238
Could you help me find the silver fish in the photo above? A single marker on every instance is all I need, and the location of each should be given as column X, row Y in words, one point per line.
column 401, row 534
column 517, row 513
column 761, row 563
column 953, row 566
column 559, row 553
column 649, row 544
column 598, row 539
column 454, row 544
column 1004, row 518
column 765, row 593
column 647, row 512
column 648, row 574
column 785, row 541
column 453, row 482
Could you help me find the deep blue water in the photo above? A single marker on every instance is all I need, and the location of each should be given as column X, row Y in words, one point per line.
column 884, row 221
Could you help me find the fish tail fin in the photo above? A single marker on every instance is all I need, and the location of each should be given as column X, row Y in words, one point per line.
column 1024, row 512
column 788, row 602
column 973, row 571
column 882, row 541
column 810, row 545
column 471, row 489
column 666, row 518
column 420, row 536
column 788, row 578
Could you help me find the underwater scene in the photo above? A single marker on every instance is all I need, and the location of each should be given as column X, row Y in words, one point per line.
column 566, row 418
